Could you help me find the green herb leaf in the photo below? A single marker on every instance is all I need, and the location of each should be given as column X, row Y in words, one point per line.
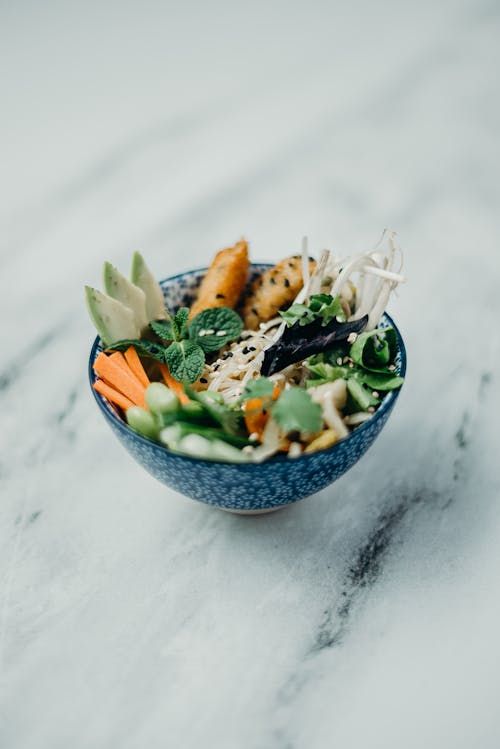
column 163, row 329
column 213, row 328
column 260, row 387
column 328, row 372
column 332, row 354
column 180, row 321
column 327, row 307
column 380, row 381
column 321, row 306
column 143, row 347
column 185, row 360
column 295, row 411
column 375, row 350
column 298, row 313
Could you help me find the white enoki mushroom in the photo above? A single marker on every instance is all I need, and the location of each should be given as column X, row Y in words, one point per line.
column 332, row 417
column 357, row 418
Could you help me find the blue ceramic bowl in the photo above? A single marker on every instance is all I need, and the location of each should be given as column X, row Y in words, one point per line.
column 246, row 488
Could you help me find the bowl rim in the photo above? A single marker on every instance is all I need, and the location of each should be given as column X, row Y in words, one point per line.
column 109, row 413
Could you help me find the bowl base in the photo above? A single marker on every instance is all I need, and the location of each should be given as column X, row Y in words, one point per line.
column 265, row 511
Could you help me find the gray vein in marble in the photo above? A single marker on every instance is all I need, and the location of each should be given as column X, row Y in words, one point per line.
column 18, row 363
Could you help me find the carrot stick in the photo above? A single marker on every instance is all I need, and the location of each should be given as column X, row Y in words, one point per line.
column 256, row 415
column 173, row 384
column 120, row 379
column 135, row 364
column 112, row 395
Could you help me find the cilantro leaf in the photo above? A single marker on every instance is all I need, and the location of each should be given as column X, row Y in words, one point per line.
column 213, row 328
column 295, row 411
column 260, row 387
column 143, row 347
column 185, row 360
column 163, row 329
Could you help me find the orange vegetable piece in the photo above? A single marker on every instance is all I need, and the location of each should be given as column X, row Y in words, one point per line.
column 112, row 395
column 135, row 364
column 256, row 414
column 173, row 384
column 120, row 377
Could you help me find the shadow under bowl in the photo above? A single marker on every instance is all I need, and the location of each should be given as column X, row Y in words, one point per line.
column 245, row 487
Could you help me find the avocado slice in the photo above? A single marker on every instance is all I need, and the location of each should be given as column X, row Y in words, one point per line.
column 113, row 320
column 142, row 277
column 118, row 287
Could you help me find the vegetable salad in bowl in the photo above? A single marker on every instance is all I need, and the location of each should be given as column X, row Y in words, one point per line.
column 255, row 363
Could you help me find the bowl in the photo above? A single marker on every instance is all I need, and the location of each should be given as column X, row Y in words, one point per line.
column 245, row 487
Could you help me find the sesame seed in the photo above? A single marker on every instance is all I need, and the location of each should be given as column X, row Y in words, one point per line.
column 352, row 337
column 221, row 332
column 391, row 368
column 371, row 410
column 253, row 437
column 339, row 361
column 203, row 380
column 287, row 283
column 220, row 296
column 375, row 393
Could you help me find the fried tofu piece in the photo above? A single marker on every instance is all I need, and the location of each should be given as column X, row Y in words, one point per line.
column 224, row 280
column 274, row 290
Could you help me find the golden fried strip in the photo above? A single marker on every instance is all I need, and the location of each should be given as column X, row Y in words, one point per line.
column 275, row 289
column 224, row 280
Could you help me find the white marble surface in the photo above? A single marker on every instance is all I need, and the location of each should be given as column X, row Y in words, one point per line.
column 369, row 614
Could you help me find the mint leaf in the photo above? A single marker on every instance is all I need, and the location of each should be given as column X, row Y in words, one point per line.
column 213, row 328
column 261, row 387
column 180, row 321
column 163, row 329
column 185, row 360
column 295, row 411
column 145, row 348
